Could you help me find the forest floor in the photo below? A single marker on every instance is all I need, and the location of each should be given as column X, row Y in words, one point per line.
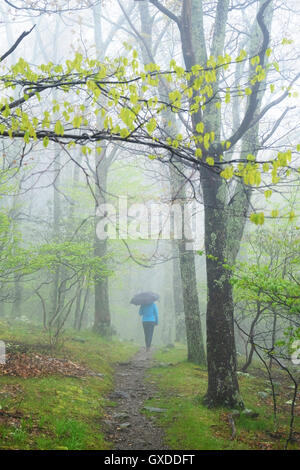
column 127, row 425
column 189, row 424
column 92, row 393
column 56, row 399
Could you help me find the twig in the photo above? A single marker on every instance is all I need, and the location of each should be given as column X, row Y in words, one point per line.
column 15, row 45
column 290, row 436
column 232, row 424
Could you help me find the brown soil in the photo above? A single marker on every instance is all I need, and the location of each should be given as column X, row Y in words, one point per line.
column 126, row 425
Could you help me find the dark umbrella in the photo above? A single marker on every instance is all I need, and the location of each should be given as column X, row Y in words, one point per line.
column 144, row 298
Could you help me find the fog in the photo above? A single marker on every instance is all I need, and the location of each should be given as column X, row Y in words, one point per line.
column 196, row 199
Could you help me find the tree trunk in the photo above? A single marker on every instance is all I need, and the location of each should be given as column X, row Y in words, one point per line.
column 83, row 310
column 77, row 308
column 180, row 329
column 188, row 282
column 223, row 388
column 102, row 319
column 273, row 336
column 56, row 233
column 191, row 307
column 18, row 291
column 220, row 240
column 16, row 308
column 251, row 334
column 194, row 337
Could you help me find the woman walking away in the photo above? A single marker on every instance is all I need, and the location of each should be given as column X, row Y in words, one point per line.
column 150, row 319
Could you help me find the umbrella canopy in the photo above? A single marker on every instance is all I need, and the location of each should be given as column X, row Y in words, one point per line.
column 144, row 298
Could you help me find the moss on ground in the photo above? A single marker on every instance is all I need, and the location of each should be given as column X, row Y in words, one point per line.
column 190, row 425
column 58, row 412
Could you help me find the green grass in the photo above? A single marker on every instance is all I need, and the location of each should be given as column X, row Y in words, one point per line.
column 56, row 412
column 188, row 424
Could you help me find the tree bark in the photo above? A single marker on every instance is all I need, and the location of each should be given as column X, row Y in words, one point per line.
column 251, row 334
column 188, row 282
column 180, row 330
column 56, row 233
column 102, row 318
column 223, row 389
column 196, row 352
column 223, row 232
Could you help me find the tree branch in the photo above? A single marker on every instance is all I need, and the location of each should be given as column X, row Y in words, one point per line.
column 167, row 12
column 276, row 125
column 136, row 32
column 275, row 102
column 252, row 108
column 20, row 38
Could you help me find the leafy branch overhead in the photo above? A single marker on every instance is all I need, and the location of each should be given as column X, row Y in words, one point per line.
column 125, row 96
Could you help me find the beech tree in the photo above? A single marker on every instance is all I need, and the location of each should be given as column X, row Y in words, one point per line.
column 178, row 182
column 226, row 207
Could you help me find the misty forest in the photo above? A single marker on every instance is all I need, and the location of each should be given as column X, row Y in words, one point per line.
column 149, row 225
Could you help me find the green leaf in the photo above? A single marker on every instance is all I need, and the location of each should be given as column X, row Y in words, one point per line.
column 268, row 193
column 151, row 126
column 257, row 218
column 77, row 121
column 59, row 128
column 210, row 161
column 46, row 141
column 200, row 127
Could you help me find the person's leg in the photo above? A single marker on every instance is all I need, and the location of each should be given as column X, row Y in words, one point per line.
column 145, row 326
column 150, row 333
column 148, row 330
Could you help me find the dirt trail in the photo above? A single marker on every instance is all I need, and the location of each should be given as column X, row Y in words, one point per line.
column 125, row 425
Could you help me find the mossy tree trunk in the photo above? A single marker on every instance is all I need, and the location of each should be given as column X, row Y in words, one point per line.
column 188, row 278
column 180, row 330
column 196, row 352
column 102, row 318
column 187, row 270
column 223, row 388
column 223, row 228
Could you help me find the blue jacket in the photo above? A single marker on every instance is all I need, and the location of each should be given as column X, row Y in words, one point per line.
column 149, row 313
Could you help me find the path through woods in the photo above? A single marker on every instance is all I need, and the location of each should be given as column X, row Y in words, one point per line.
column 125, row 424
